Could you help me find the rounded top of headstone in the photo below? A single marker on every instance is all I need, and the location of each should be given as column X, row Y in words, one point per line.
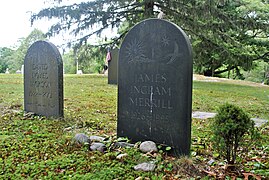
column 44, row 48
column 155, row 40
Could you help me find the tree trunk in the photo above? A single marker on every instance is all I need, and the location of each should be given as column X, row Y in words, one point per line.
column 149, row 4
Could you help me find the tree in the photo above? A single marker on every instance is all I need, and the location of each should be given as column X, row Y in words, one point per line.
column 5, row 58
column 91, row 59
column 17, row 57
column 226, row 35
column 230, row 126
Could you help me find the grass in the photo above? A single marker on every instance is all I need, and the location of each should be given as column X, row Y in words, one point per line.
column 42, row 148
column 209, row 95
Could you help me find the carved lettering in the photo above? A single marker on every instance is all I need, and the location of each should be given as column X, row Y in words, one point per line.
column 156, row 90
column 146, row 102
column 155, row 117
column 40, row 94
column 153, row 78
column 40, row 67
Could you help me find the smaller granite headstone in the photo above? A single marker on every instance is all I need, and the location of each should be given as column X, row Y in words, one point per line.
column 113, row 67
column 43, row 80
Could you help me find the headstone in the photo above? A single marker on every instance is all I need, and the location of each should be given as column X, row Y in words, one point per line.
column 18, row 71
column 113, row 67
column 22, row 69
column 79, row 71
column 7, row 71
column 155, row 85
column 43, row 80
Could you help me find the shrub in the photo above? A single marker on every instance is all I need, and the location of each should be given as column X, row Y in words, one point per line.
column 230, row 126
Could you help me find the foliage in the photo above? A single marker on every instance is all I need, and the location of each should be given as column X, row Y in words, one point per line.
column 13, row 59
column 25, row 43
column 69, row 63
column 33, row 147
column 225, row 35
column 230, row 125
column 90, row 59
column 259, row 74
column 5, row 58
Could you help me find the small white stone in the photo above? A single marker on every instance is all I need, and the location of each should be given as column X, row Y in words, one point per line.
column 121, row 156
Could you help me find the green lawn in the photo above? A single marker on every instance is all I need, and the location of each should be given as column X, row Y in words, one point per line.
column 42, row 148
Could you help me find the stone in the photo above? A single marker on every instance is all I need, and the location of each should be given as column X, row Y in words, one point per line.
column 43, row 80
column 203, row 115
column 79, row 72
column 113, row 67
column 22, row 69
column 121, row 156
column 98, row 147
column 148, row 146
column 211, row 162
column 155, row 85
column 18, row 72
column 122, row 145
column 259, row 122
column 68, row 129
column 7, row 71
column 97, row 139
column 82, row 138
column 146, row 166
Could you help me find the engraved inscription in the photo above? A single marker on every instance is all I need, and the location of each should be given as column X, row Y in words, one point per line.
column 150, row 90
column 147, row 102
column 172, row 57
column 43, row 80
column 40, row 81
column 136, row 115
column 165, row 41
column 154, row 78
column 135, row 52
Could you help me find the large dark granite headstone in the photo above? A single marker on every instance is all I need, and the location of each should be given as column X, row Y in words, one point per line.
column 113, row 67
column 155, row 85
column 43, row 80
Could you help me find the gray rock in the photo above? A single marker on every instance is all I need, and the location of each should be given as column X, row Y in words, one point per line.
column 96, row 139
column 82, row 138
column 146, row 166
column 259, row 122
column 121, row 156
column 122, row 145
column 98, row 147
column 211, row 162
column 148, row 146
column 203, row 115
column 68, row 129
